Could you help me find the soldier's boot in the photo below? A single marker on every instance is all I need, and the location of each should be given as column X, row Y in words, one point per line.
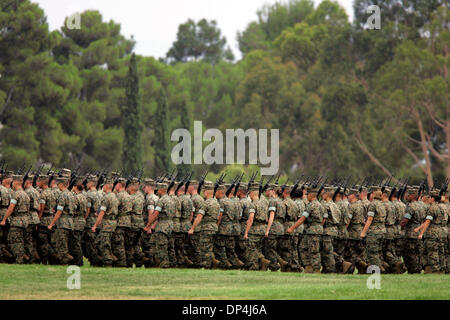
column 215, row 263
column 316, row 271
column 385, row 268
column 188, row 262
column 309, row 269
column 26, row 258
column 264, row 263
column 362, row 267
column 399, row 267
column 114, row 258
column 157, row 262
column 346, row 266
column 239, row 264
column 284, row 264
column 6, row 254
column 228, row 265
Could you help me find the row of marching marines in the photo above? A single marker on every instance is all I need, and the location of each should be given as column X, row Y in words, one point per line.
column 174, row 221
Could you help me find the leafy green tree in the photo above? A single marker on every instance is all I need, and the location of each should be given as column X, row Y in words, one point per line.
column 199, row 41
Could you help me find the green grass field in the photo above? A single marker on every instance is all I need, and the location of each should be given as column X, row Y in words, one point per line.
column 49, row 282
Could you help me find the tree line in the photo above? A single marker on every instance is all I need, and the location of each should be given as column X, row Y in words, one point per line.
column 348, row 100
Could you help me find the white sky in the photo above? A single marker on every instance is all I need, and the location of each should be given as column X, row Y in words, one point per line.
column 154, row 23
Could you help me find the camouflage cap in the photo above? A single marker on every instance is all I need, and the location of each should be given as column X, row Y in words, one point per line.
column 434, row 192
column 7, row 175
column 313, row 189
column 223, row 186
column 208, row 185
column 329, row 188
column 61, row 179
column 412, row 190
column 288, row 188
column 92, row 178
column 29, row 177
column 363, row 188
column 242, row 187
column 352, row 191
column 193, row 182
column 17, row 177
column 253, row 187
column 375, row 188
column 149, row 182
column 121, row 180
column 43, row 177
column 134, row 181
column 273, row 186
column 65, row 173
column 162, row 185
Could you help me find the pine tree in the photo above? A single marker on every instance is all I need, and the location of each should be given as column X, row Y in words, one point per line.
column 162, row 135
column 132, row 126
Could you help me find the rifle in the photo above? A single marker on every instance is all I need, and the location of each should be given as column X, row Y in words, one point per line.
column 283, row 187
column 188, row 182
column 201, row 181
column 386, row 184
column 36, row 176
column 172, row 182
column 278, row 178
column 19, row 171
column 266, row 185
column 444, row 187
column 2, row 170
column 321, row 187
column 295, row 185
column 231, row 187
column 218, row 182
column 238, row 184
column 182, row 182
column 26, row 177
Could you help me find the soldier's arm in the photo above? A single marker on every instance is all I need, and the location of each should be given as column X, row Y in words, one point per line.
column 424, row 226
column 88, row 209
column 366, row 226
column 219, row 217
column 298, row 223
column 251, row 216
column 10, row 210
column 59, row 209
column 152, row 218
column 41, row 207
column 270, row 222
column 150, row 210
column 99, row 220
column 197, row 221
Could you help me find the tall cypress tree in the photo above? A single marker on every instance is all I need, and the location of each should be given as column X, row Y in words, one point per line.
column 162, row 152
column 132, row 147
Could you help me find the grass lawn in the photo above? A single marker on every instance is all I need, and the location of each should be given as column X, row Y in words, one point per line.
column 49, row 282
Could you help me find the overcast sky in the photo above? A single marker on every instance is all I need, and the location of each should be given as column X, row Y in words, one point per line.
column 154, row 23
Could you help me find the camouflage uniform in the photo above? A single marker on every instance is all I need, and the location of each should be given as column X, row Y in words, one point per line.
column 412, row 247
column 293, row 213
column 389, row 248
column 276, row 231
column 176, row 241
column 5, row 197
column 341, row 242
column 147, row 241
column 400, row 208
column 133, row 237
column 224, row 247
column 447, row 257
column 187, row 207
column 301, row 204
column 18, row 222
column 232, row 243
column 123, row 226
column 314, row 215
column 375, row 234
column 260, row 208
column 48, row 198
column 443, row 237
column 194, row 252
column 110, row 206
column 163, row 231
column 241, row 249
column 79, row 222
column 31, row 233
column 93, row 198
column 330, row 235
column 208, row 228
column 433, row 237
column 356, row 252
column 64, row 227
